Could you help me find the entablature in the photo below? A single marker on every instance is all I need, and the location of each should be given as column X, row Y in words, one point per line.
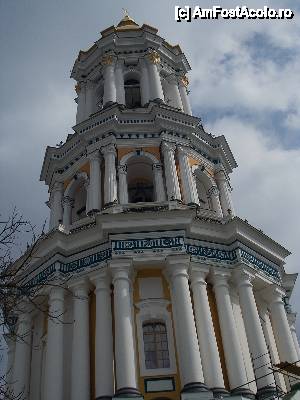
column 157, row 233
column 150, row 124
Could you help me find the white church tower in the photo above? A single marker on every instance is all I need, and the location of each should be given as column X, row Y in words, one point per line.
column 150, row 286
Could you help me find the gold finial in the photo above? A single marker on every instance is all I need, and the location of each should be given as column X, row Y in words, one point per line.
column 184, row 80
column 127, row 22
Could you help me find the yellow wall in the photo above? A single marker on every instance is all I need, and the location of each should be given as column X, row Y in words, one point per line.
column 83, row 168
column 149, row 273
column 193, row 161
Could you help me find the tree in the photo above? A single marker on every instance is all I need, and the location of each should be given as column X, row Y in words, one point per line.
column 14, row 259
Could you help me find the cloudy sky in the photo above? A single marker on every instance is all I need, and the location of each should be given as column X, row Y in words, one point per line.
column 244, row 84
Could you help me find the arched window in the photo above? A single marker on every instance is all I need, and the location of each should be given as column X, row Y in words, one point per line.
column 79, row 209
column 202, row 194
column 140, row 180
column 132, row 93
column 156, row 345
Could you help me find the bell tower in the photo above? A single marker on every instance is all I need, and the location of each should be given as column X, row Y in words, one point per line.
column 163, row 292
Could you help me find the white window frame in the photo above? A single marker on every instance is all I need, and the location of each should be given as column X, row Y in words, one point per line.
column 155, row 310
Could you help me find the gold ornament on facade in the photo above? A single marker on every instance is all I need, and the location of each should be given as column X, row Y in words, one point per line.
column 77, row 88
column 184, row 80
column 107, row 60
column 154, row 57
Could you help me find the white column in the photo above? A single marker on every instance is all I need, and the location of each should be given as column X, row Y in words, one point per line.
column 225, row 195
column 124, row 329
column 9, row 376
column 255, row 336
column 183, row 83
column 80, row 368
column 214, row 194
column 21, row 375
column 271, row 343
column 160, row 193
column 189, row 189
column 230, row 339
column 156, row 92
column 94, row 187
column 292, row 321
column 68, row 204
column 110, row 180
column 173, row 189
column 110, row 93
column 175, row 99
column 211, row 364
column 281, row 328
column 54, row 376
column 145, row 89
column 120, row 91
column 123, row 187
column 104, row 379
column 56, row 212
column 190, row 361
column 90, row 101
column 81, row 93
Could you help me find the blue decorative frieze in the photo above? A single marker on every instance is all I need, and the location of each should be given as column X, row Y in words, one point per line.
column 154, row 244
column 41, row 277
column 210, row 252
column 166, row 245
column 260, row 265
column 85, row 262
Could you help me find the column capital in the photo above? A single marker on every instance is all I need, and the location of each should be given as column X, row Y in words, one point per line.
column 109, row 149
column 168, row 147
column 184, row 81
column 120, row 63
column 56, row 293
column 182, row 150
column 94, row 156
column 121, row 269
column 153, row 57
column 220, row 278
column 108, row 59
column 243, row 277
column 122, row 169
column 220, row 175
column 177, row 266
column 80, row 287
column 101, row 280
column 273, row 294
column 57, row 187
column 198, row 273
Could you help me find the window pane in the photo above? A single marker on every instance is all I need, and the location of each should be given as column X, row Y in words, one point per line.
column 156, row 345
